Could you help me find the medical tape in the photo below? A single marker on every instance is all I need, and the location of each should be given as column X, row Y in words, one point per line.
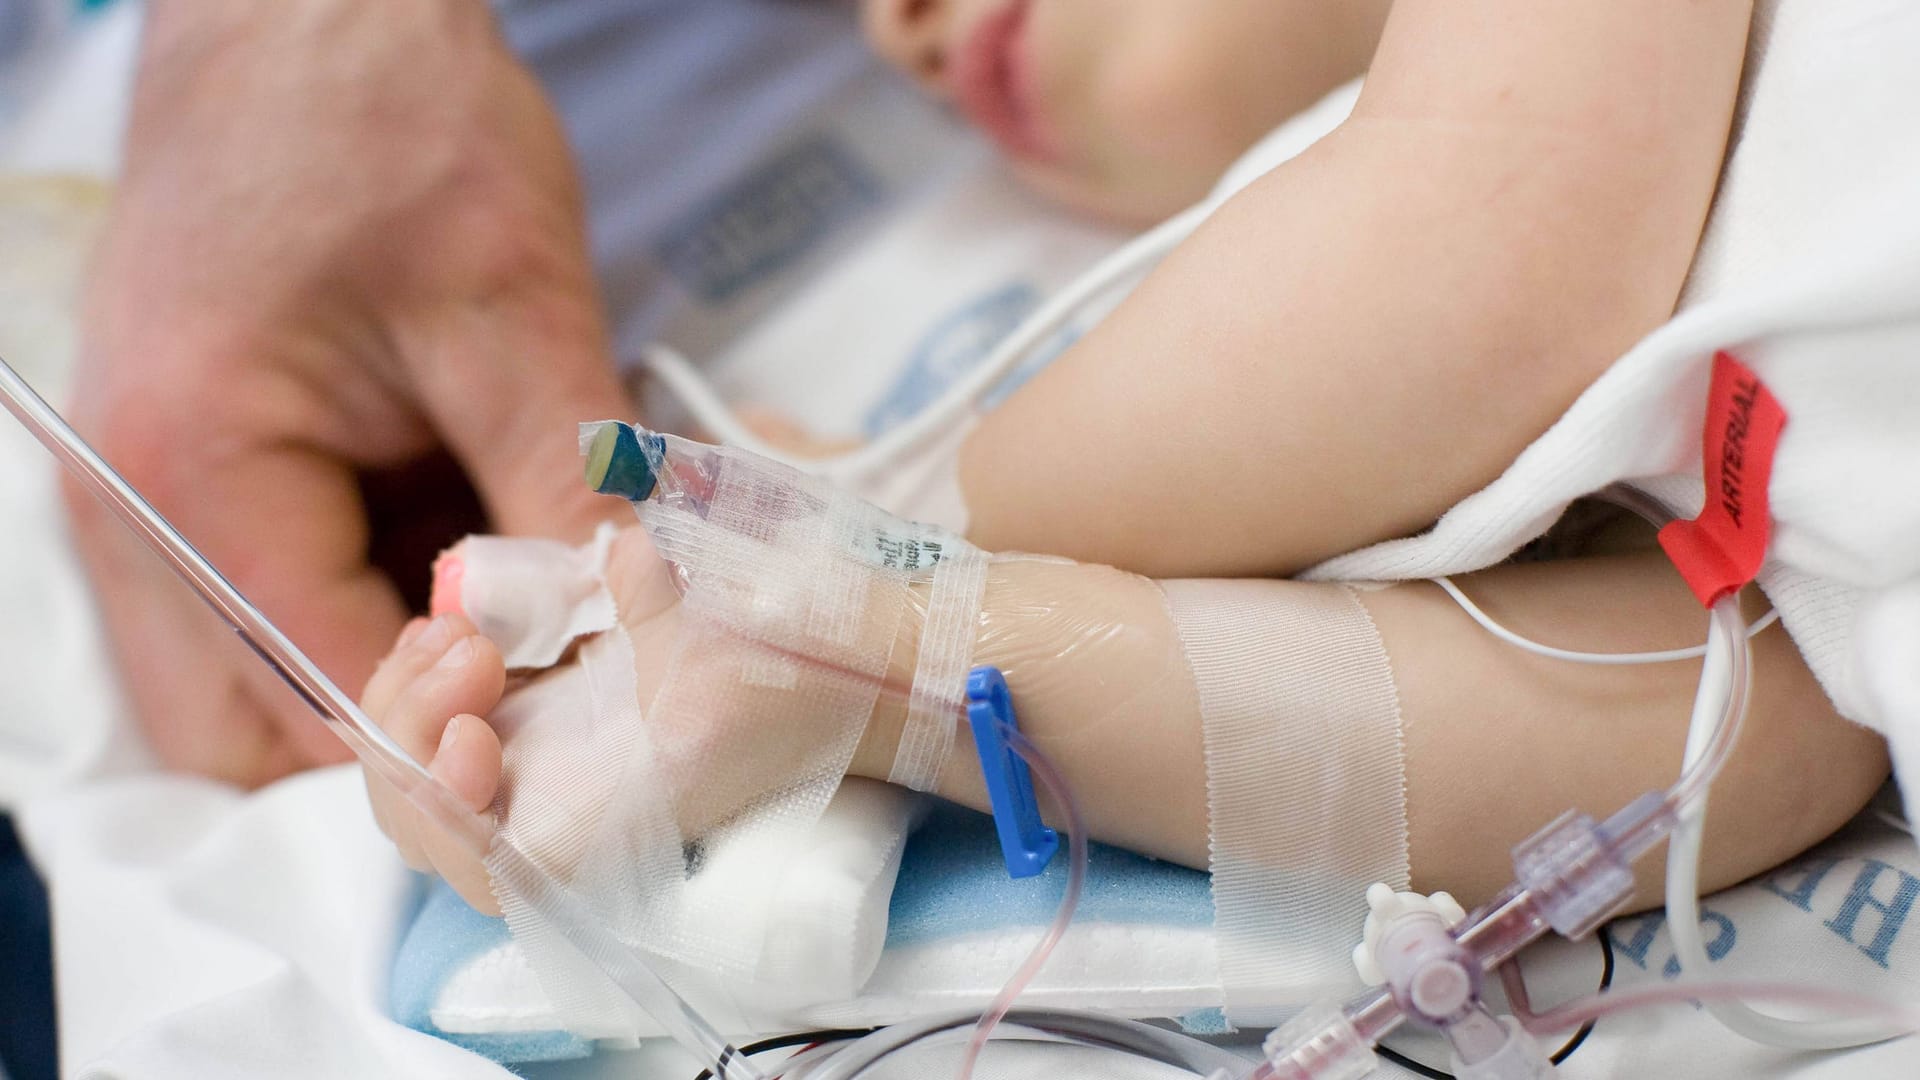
column 786, row 632
column 581, row 795
column 1306, row 780
column 940, row 670
column 533, row 598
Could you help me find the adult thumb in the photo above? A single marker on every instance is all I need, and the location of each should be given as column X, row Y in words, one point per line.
column 514, row 382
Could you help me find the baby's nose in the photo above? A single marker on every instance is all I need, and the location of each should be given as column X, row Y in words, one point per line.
column 910, row 35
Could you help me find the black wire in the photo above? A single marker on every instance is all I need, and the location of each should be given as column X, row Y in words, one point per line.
column 1408, row 1063
column 1560, row 1055
column 1606, row 982
column 803, row 1038
column 798, row 1038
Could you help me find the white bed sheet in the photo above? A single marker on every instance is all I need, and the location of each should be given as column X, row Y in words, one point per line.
column 202, row 932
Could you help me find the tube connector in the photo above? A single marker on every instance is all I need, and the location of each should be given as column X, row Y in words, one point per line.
column 1319, row 1044
column 618, row 463
column 1486, row 1047
column 1580, row 872
column 1408, row 945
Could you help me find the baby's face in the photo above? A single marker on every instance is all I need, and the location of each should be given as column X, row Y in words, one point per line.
column 1128, row 108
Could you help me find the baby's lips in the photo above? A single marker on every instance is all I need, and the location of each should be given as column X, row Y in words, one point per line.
column 449, row 572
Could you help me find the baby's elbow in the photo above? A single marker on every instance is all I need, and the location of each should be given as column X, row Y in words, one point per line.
column 1800, row 773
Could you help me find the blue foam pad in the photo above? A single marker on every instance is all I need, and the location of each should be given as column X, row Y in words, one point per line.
column 952, row 881
column 446, row 935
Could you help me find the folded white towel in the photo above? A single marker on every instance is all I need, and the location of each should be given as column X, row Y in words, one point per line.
column 1810, row 273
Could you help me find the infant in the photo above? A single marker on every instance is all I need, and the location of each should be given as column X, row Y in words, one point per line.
column 1132, row 110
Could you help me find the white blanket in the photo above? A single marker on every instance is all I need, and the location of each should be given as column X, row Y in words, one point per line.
column 1810, row 273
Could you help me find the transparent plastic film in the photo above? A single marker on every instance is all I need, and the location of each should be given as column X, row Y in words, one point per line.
column 945, row 653
column 1574, row 873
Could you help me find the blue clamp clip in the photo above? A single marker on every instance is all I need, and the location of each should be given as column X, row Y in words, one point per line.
column 1025, row 843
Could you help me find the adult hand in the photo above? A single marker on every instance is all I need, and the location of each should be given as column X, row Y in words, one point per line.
column 348, row 235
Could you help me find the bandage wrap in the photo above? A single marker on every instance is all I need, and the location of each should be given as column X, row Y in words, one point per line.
column 1306, row 780
column 791, row 596
column 940, row 673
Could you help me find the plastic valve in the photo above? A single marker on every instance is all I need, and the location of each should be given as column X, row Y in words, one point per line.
column 1489, row 1048
column 1319, row 1044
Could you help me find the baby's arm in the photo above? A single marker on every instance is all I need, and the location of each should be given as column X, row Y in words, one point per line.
column 1376, row 329
column 1498, row 741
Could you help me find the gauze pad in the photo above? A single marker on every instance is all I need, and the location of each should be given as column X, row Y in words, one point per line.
column 532, row 598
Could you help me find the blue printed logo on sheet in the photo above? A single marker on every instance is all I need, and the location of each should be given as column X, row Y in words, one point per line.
column 1718, row 931
column 764, row 223
column 958, row 343
column 1864, row 903
column 1868, row 915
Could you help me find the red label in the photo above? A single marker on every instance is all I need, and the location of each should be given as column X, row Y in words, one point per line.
column 1722, row 549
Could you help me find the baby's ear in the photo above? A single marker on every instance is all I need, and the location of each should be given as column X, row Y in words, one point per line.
column 532, row 597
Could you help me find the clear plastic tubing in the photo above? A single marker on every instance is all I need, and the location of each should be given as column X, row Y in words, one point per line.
column 1596, row 1006
column 1498, row 930
column 1056, row 785
column 367, row 740
column 1726, row 665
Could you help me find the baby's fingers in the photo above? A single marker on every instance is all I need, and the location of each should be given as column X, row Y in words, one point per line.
column 468, row 763
column 466, row 678
column 421, row 643
column 440, row 670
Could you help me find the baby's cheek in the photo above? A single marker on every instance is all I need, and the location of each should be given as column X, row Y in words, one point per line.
column 1166, row 133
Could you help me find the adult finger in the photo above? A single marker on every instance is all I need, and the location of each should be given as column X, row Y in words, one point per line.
column 508, row 386
column 284, row 526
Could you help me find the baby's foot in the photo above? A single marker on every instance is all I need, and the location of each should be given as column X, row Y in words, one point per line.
column 430, row 694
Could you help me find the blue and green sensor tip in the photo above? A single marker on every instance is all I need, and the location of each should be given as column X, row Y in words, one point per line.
column 618, row 463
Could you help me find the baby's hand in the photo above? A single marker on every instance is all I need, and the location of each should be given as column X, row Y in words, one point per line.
column 430, row 694
column 440, row 695
column 438, row 692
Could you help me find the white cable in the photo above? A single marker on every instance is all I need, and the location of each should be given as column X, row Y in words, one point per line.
column 1659, row 657
column 1167, row 1047
column 1893, row 819
column 803, row 1065
column 1683, row 895
column 697, row 394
